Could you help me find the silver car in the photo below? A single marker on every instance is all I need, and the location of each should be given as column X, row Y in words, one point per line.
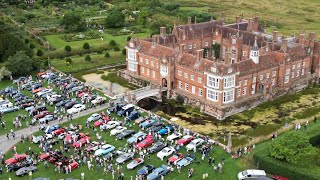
column 25, row 170
column 135, row 163
column 125, row 157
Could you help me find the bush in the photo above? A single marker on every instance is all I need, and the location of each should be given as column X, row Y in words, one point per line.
column 124, row 51
column 26, row 41
column 86, row 46
column 87, row 58
column 180, row 99
column 32, row 46
column 69, row 60
column 107, row 55
column 128, row 38
column 39, row 52
column 116, row 48
column 100, row 72
column 67, row 48
column 112, row 43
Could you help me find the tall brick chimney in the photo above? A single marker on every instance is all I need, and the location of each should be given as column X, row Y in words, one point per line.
column 163, row 31
column 284, row 44
column 199, row 54
column 302, row 39
column 182, row 46
column 312, row 36
column 222, row 17
column 275, row 36
column 189, row 20
column 154, row 40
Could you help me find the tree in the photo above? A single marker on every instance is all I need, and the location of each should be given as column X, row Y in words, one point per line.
column 87, row 58
column 86, row 45
column 292, row 147
column 67, row 48
column 73, row 22
column 32, row 46
column 10, row 45
column 128, row 38
column 19, row 64
column 124, row 51
column 115, row 18
column 143, row 15
column 116, row 48
column 112, row 43
column 39, row 52
column 69, row 60
column 106, row 55
column 4, row 72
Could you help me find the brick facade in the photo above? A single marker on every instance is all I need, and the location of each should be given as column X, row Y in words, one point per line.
column 251, row 63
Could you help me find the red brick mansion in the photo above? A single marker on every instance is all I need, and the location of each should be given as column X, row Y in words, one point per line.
column 224, row 68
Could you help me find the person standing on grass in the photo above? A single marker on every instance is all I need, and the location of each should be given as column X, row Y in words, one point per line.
column 8, row 136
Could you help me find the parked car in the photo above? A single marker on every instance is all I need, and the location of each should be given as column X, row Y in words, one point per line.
column 156, row 147
column 145, row 170
column 76, row 108
column 18, row 165
column 158, row 173
column 73, row 165
column 47, row 118
column 105, row 149
column 117, row 130
column 25, row 170
column 94, row 117
column 16, row 158
column 99, row 122
column 135, row 163
column 139, row 136
column 279, row 178
column 175, row 158
column 185, row 161
column 125, row 157
column 165, row 152
column 148, row 141
column 166, row 130
column 37, row 139
column 116, row 108
column 133, row 115
column 156, row 127
column 194, row 144
column 9, row 109
column 126, row 109
column 125, row 134
column 93, row 146
column 110, row 125
column 185, row 140
column 99, row 100
column 49, row 129
column 81, row 142
column 251, row 173
column 147, row 123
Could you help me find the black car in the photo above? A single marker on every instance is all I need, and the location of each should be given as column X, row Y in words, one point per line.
column 116, row 108
column 20, row 98
column 70, row 104
column 145, row 170
column 156, row 127
column 18, row 165
column 24, row 101
column 17, row 95
column 156, row 147
column 57, row 100
column 61, row 103
column 125, row 134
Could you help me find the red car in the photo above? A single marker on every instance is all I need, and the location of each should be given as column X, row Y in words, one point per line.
column 59, row 131
column 106, row 118
column 279, row 178
column 185, row 140
column 45, row 156
column 16, row 158
column 99, row 122
column 69, row 137
column 71, row 166
column 175, row 158
column 42, row 114
column 148, row 141
column 83, row 141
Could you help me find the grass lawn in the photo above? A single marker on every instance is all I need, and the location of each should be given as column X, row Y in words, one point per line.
column 230, row 169
column 114, row 78
column 59, row 43
column 97, row 60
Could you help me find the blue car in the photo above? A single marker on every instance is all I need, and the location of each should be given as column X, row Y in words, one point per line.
column 133, row 115
column 147, row 123
column 185, row 161
column 158, row 173
column 51, row 129
column 166, row 130
column 136, row 137
column 145, row 170
column 105, row 149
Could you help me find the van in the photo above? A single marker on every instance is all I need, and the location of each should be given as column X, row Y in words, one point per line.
column 127, row 108
column 251, row 174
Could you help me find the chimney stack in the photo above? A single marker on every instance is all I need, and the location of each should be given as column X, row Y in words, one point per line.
column 237, row 19
column 222, row 17
column 182, row 46
column 163, row 31
column 284, row 44
column 275, row 37
column 189, row 20
column 312, row 36
column 199, row 54
column 301, row 39
column 154, row 40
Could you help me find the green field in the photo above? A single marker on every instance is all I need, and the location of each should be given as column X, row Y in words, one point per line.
column 230, row 169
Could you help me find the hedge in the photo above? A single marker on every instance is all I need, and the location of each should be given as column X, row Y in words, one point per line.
column 277, row 167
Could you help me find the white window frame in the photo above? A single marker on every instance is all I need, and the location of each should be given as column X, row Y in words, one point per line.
column 192, row 77
column 245, row 82
column 186, row 87
column 213, row 82
column 132, row 66
column 180, row 84
column 206, row 43
column 261, row 77
column 141, row 59
column 200, row 92
column 229, row 82
column 228, row 96
column 253, row 89
column 153, row 74
column 240, row 83
column 302, row 71
column 193, row 89
column 212, row 95
column 298, row 73
column 148, row 72
column 286, row 79
column 147, row 61
column 142, row 69
column 244, row 91
column 190, row 46
column 152, row 63
column 273, row 81
column 292, row 74
column 274, row 73
column 199, row 80
column 239, row 92
column 179, row 72
column 131, row 55
column 254, row 79
column 185, row 75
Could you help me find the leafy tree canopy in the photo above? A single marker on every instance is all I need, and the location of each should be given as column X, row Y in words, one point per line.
column 73, row 22
column 19, row 64
column 292, row 147
column 115, row 18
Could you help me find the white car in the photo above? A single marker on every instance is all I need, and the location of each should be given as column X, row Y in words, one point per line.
column 53, row 97
column 194, row 143
column 117, row 130
column 43, row 120
column 62, row 135
column 98, row 100
column 174, row 136
column 5, row 103
column 109, row 125
column 165, row 152
column 93, row 117
column 76, row 108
